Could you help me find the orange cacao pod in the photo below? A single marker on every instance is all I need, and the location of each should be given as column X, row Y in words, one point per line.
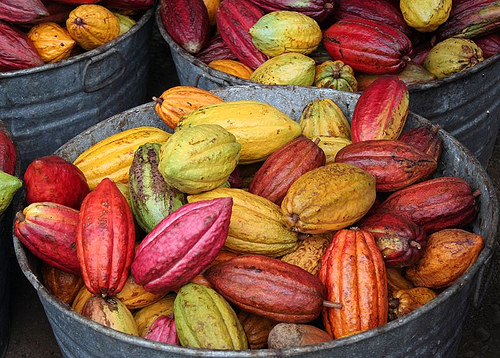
column 396, row 280
column 63, row 285
column 353, row 271
column 405, row 301
column 232, row 67
column 105, row 239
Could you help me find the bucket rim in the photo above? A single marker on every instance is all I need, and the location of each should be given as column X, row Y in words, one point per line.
column 227, row 78
column 485, row 255
column 108, row 46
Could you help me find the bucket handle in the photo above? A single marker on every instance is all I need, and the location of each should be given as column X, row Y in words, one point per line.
column 108, row 80
column 222, row 83
column 489, row 264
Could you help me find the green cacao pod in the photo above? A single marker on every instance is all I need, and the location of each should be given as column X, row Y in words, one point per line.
column 9, row 185
column 322, row 117
column 286, row 69
column 335, row 75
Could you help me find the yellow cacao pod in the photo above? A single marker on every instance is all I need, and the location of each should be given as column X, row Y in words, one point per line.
column 425, row 15
column 235, row 68
column 328, row 198
column 92, row 25
column 81, row 297
column 286, row 69
column 110, row 312
column 255, row 226
column 134, row 296
column 212, row 6
column 408, row 300
column 112, row 156
column 323, row 117
column 145, row 317
column 309, row 252
column 52, row 42
column 396, row 280
column 259, row 127
column 331, row 146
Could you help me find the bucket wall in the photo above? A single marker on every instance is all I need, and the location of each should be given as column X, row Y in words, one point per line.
column 46, row 106
column 431, row 331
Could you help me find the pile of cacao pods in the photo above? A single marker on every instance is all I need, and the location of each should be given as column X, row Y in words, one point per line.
column 36, row 32
column 9, row 182
column 241, row 230
column 340, row 44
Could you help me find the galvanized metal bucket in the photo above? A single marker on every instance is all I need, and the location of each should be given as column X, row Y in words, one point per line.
column 465, row 104
column 46, row 106
column 430, row 331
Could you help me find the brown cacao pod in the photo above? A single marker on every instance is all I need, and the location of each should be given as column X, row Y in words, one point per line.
column 490, row 44
column 354, row 260
column 16, row 50
column 64, row 285
column 216, row 49
column 8, row 155
column 234, row 19
column 394, row 164
column 288, row 335
column 405, row 301
column 319, row 10
column 381, row 110
column 434, row 204
column 386, row 51
column 15, row 11
column 424, row 139
column 412, row 74
column 256, row 328
column 449, row 254
column 400, row 240
column 187, row 22
column 284, row 166
column 48, row 230
column 263, row 286
column 105, row 239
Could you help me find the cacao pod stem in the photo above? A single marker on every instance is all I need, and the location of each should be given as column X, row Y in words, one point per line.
column 329, row 304
column 415, row 244
column 436, row 128
column 317, row 140
column 476, row 193
column 295, row 218
column 158, row 100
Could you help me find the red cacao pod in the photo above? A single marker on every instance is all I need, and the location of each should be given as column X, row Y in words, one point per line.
column 284, row 166
column 420, row 52
column 57, row 12
column 48, row 230
column 182, row 245
column 234, row 19
column 128, row 4
column 163, row 330
column 353, row 271
column 236, row 178
column 216, row 49
column 16, row 50
column 400, row 240
column 269, row 288
column 490, row 44
column 8, row 154
column 319, row 10
column 187, row 22
column 425, row 139
column 375, row 10
column 394, row 164
column 54, row 179
column 105, row 239
column 381, row 110
column 435, row 204
column 16, row 11
column 368, row 46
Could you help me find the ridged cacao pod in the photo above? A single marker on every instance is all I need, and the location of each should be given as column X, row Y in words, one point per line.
column 234, row 19
column 52, row 42
column 256, row 328
column 92, row 26
column 204, row 319
column 64, row 285
column 320, row 55
column 216, row 49
column 403, row 302
column 16, row 50
column 187, row 22
column 354, row 260
column 9, row 185
column 263, row 286
column 434, row 204
column 323, row 117
column 221, row 257
column 212, row 6
column 128, row 4
column 412, row 74
column 319, row 10
column 386, row 51
column 110, row 312
column 105, row 239
column 81, row 298
column 8, row 155
column 126, row 22
column 308, row 254
column 335, row 75
column 451, row 56
column 396, row 280
column 394, row 164
column 381, row 110
column 449, row 254
column 48, row 230
column 347, row 193
column 284, row 166
column 288, row 335
column 58, row 13
column 15, row 11
column 260, row 128
column 490, row 44
column 232, row 67
column 400, row 240
column 331, row 146
column 469, row 19
column 255, row 224
column 111, row 157
column 286, row 69
column 146, row 316
column 151, row 197
column 424, row 139
column 134, row 296
column 182, row 245
column 286, row 31
column 425, row 16
column 54, row 179
column 163, row 330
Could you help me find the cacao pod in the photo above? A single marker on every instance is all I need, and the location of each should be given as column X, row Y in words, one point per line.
column 286, row 69
column 353, row 260
column 262, row 285
column 64, row 285
column 232, row 67
column 323, row 117
column 126, row 22
column 163, row 330
column 288, row 335
column 134, row 296
column 413, row 73
column 396, row 280
column 424, row 139
column 146, row 316
column 216, row 49
column 81, row 298
column 128, row 4
column 9, row 185
column 319, row 10
column 58, row 13
column 16, row 50
column 49, row 230
column 212, row 6
column 256, row 328
column 110, row 312
column 15, row 11
column 182, row 245
column 52, row 42
column 425, row 16
column 405, row 301
column 335, row 75
column 8, row 155
column 221, row 257
column 105, row 239
column 309, row 252
column 489, row 44
column 331, row 146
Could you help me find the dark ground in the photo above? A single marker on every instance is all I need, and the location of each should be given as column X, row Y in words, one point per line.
column 31, row 335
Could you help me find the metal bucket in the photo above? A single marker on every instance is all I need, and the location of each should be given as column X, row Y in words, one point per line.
column 433, row 330
column 465, row 104
column 46, row 106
